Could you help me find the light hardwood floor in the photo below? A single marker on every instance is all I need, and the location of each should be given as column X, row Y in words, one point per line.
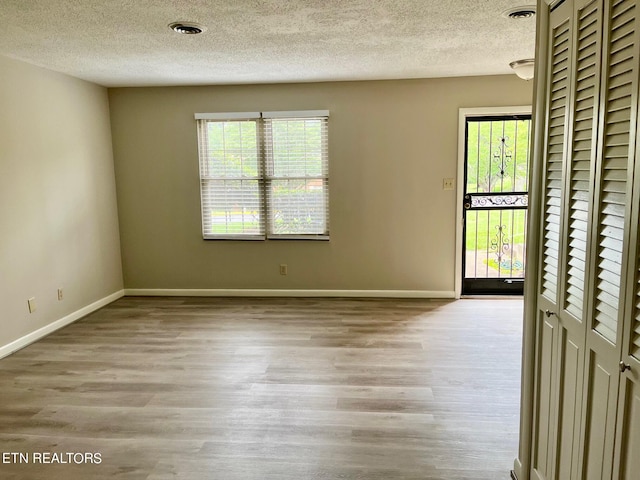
column 206, row 388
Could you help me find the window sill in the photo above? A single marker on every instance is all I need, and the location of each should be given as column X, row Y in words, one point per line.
column 323, row 238
column 234, row 237
column 253, row 238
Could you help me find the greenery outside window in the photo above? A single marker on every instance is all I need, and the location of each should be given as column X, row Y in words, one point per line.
column 264, row 175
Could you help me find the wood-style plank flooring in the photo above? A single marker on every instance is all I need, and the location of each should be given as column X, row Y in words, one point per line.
column 237, row 388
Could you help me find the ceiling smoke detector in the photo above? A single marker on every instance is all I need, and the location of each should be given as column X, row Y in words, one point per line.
column 187, row 28
column 518, row 13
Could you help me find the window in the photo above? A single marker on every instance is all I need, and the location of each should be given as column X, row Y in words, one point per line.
column 264, row 175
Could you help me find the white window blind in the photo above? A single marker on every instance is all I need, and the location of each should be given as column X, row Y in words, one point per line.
column 230, row 179
column 264, row 177
column 297, row 176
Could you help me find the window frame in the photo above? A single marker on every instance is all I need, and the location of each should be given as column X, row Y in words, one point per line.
column 264, row 178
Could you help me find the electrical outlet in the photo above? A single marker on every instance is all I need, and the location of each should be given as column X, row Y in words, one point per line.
column 32, row 304
column 283, row 269
column 60, row 295
column 448, row 184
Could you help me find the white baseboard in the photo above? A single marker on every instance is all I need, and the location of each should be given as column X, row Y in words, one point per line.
column 242, row 292
column 56, row 325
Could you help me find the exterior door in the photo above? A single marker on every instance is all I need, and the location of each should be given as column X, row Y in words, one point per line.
column 495, row 204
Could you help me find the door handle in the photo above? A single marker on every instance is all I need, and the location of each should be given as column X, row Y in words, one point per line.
column 624, row 367
column 548, row 313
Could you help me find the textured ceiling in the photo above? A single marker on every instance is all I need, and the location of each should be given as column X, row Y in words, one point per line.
column 128, row 43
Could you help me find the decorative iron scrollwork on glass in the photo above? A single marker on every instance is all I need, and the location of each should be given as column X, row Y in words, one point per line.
column 502, row 156
column 517, row 200
column 500, row 243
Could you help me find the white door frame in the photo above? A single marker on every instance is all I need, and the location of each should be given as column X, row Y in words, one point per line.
column 463, row 114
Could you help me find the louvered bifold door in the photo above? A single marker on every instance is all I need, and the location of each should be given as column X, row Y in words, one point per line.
column 610, row 235
column 555, row 158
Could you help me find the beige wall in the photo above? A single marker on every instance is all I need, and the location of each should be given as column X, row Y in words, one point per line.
column 390, row 144
column 58, row 213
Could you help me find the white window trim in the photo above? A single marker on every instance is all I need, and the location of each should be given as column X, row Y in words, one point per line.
column 227, row 116
column 296, row 114
column 252, row 115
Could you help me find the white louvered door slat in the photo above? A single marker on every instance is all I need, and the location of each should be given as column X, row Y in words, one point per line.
column 619, row 97
column 580, row 187
column 554, row 162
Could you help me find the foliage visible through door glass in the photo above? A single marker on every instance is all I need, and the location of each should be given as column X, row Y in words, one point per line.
column 497, row 153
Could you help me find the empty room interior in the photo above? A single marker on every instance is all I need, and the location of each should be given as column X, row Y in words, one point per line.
column 351, row 239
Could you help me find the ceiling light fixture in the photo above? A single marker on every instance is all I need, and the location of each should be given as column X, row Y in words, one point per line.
column 525, row 69
column 187, row 28
column 519, row 13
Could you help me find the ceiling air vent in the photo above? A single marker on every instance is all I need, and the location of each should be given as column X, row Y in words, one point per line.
column 187, row 28
column 527, row 11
